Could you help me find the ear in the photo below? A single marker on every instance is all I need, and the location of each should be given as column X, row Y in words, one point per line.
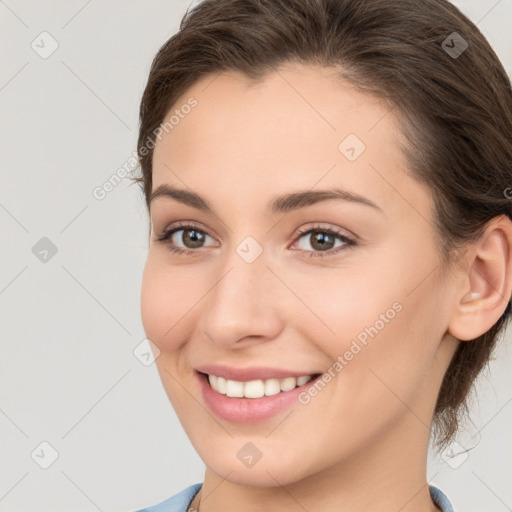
column 486, row 283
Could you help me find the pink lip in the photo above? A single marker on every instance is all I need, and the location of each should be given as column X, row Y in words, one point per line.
column 248, row 410
column 248, row 374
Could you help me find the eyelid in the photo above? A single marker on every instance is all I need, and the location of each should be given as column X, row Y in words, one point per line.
column 170, row 230
column 320, row 226
column 182, row 224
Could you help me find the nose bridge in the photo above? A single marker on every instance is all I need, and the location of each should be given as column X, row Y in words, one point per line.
column 241, row 302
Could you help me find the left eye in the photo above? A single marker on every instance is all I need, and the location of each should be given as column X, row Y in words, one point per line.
column 319, row 240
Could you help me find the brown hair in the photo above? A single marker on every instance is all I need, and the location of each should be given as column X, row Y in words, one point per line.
column 456, row 109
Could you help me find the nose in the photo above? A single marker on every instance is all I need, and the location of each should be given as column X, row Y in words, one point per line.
column 242, row 306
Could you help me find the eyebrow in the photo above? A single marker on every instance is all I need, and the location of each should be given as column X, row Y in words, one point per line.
column 280, row 204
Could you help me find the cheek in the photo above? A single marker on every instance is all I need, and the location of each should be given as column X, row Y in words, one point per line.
column 383, row 329
column 168, row 296
column 167, row 302
column 153, row 301
column 344, row 303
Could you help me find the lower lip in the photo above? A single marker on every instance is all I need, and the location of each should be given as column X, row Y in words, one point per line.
column 248, row 410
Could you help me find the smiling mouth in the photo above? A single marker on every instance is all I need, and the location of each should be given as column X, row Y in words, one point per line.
column 256, row 388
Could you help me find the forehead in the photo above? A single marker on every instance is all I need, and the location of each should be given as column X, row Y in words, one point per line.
column 299, row 127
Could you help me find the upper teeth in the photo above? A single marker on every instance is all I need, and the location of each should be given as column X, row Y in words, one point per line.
column 255, row 388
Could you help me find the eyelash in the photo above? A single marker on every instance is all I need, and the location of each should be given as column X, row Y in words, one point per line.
column 169, row 232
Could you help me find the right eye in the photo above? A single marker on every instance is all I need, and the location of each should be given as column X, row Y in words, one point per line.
column 189, row 235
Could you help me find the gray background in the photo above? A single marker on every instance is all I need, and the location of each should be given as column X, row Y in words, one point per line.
column 70, row 324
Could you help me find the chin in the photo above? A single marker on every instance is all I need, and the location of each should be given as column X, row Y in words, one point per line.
column 269, row 471
column 252, row 477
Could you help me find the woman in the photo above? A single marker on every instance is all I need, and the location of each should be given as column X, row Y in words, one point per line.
column 331, row 246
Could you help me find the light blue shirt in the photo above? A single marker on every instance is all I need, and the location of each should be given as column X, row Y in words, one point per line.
column 181, row 501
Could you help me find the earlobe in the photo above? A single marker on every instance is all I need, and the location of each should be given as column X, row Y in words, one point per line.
column 486, row 286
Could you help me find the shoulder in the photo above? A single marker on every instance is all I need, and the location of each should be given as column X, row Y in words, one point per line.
column 440, row 499
column 177, row 503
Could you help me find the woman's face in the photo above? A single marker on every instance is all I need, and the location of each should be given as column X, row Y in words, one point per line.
column 357, row 300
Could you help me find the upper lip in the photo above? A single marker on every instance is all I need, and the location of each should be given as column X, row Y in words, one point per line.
column 250, row 373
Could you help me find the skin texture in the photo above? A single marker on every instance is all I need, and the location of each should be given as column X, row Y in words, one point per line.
column 361, row 443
